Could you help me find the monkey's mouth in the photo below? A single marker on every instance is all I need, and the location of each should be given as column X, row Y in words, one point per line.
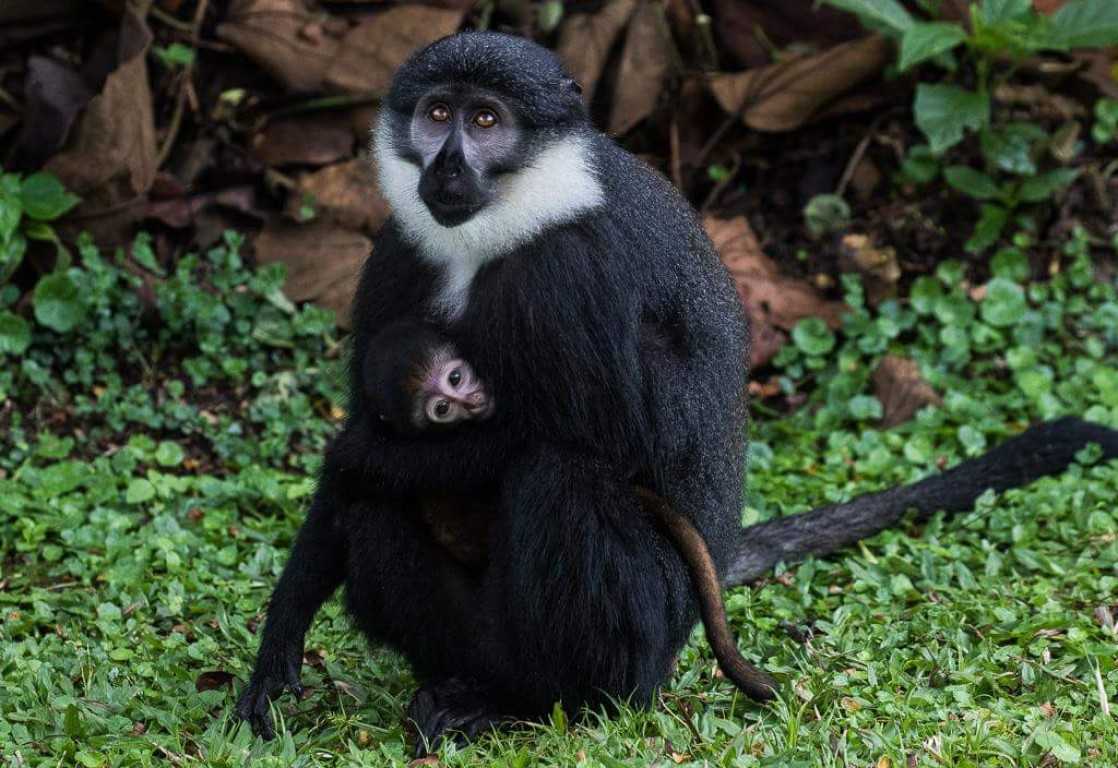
column 451, row 210
column 480, row 408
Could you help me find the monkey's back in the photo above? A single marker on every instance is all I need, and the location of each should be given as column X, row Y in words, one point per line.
column 689, row 297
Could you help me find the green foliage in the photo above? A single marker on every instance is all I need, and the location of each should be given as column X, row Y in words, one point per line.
column 26, row 208
column 1000, row 33
column 824, row 214
column 998, row 27
column 156, row 462
column 174, row 55
column 1105, row 129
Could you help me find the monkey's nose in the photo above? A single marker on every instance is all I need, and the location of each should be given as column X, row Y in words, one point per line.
column 448, row 166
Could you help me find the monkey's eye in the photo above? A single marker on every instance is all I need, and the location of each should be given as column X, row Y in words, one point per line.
column 485, row 119
column 455, row 377
column 440, row 113
column 439, row 411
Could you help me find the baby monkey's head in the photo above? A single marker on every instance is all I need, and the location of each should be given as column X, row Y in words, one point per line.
column 416, row 380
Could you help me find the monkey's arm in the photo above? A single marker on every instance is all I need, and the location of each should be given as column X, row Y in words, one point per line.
column 313, row 572
column 1044, row 449
column 459, row 459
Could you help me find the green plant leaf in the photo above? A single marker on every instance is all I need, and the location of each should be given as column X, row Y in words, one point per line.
column 11, row 256
column 44, row 197
column 169, row 454
column 1012, row 264
column 174, row 55
column 944, row 112
column 1001, row 11
column 865, row 408
column 813, row 337
column 1009, row 147
column 826, row 213
column 1084, row 24
column 1042, row 187
column 139, row 491
column 1004, row 304
column 920, row 166
column 58, row 304
column 927, row 40
column 925, row 292
column 887, row 16
column 11, row 206
column 15, row 333
column 970, row 182
column 991, row 222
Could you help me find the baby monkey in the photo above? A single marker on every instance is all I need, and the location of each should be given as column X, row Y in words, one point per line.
column 416, row 381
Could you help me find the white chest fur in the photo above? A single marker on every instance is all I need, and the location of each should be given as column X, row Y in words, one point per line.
column 558, row 186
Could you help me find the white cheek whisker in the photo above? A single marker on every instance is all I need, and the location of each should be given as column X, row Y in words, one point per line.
column 558, row 186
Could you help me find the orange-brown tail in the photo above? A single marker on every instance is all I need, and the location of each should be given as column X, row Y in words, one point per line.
column 753, row 682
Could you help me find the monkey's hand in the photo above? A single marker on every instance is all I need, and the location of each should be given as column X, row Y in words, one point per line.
column 276, row 669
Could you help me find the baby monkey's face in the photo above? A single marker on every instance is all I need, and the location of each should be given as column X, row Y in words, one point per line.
column 449, row 392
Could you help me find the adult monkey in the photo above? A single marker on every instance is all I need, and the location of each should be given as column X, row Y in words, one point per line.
column 587, row 295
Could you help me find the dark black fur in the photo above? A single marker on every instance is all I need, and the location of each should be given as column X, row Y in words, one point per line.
column 398, row 351
column 615, row 348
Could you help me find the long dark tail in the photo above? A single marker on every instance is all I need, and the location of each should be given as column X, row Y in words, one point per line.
column 1044, row 449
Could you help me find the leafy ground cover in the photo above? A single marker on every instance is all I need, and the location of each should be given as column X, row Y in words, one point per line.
column 156, row 458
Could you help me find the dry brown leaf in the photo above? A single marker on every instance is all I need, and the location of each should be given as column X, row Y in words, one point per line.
column 1101, row 69
column 109, row 159
column 371, row 52
column 783, row 96
column 211, row 681
column 307, row 140
column 1048, row 6
column 345, row 193
column 643, row 69
column 585, row 40
column 902, row 391
column 1040, row 100
column 749, row 31
column 54, row 96
column 323, row 262
column 285, row 37
column 774, row 302
column 424, row 762
column 878, row 265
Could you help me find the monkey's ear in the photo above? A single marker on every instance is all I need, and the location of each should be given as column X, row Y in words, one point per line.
column 572, row 85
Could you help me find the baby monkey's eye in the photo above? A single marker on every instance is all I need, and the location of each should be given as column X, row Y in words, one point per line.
column 485, row 119
column 442, row 408
column 455, row 377
column 440, row 113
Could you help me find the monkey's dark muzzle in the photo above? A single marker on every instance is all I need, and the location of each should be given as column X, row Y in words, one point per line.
column 452, row 201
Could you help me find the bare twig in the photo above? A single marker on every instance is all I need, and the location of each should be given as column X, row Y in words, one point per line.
column 185, row 87
column 859, row 153
column 674, row 160
column 720, row 186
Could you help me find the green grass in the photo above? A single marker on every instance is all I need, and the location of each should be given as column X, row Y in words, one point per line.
column 155, row 463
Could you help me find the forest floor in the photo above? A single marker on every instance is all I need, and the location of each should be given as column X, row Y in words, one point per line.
column 154, row 468
column 166, row 397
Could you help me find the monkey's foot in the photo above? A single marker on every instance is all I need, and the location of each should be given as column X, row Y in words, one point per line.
column 451, row 708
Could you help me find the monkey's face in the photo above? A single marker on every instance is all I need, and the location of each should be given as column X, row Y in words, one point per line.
column 465, row 139
column 447, row 392
column 465, row 120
